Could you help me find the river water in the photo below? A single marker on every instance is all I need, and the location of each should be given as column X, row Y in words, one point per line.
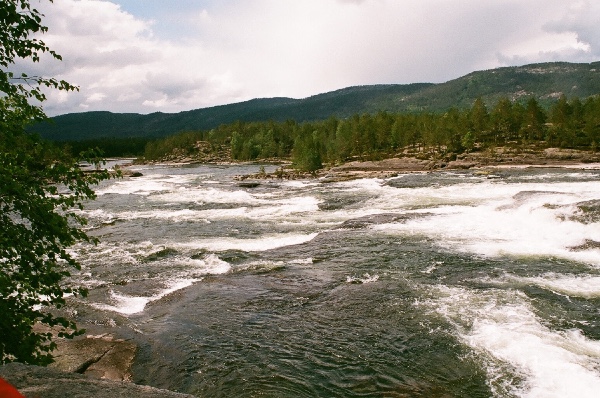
column 445, row 284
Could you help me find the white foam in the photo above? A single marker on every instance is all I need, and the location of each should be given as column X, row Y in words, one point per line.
column 365, row 278
column 496, row 221
column 129, row 305
column 146, row 185
column 260, row 209
column 302, row 261
column 265, row 264
column 303, row 204
column 432, row 267
column 173, row 215
column 554, row 364
column 137, row 187
column 211, row 264
column 363, row 184
column 501, row 326
column 250, row 245
column 122, row 253
column 587, row 286
column 101, row 214
column 299, row 183
column 194, row 269
column 205, row 195
column 268, row 210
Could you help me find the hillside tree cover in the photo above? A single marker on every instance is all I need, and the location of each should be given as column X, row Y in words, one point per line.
column 566, row 123
column 40, row 186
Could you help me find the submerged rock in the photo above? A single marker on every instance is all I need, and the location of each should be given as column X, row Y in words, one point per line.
column 249, row 184
column 376, row 219
column 588, row 244
column 589, row 212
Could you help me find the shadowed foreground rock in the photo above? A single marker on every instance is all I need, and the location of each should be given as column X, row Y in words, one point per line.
column 39, row 382
column 102, row 357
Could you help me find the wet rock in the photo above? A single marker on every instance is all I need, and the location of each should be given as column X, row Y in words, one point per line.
column 375, row 219
column 36, row 382
column 461, row 164
column 589, row 212
column 589, row 244
column 102, row 357
column 249, row 184
column 391, row 164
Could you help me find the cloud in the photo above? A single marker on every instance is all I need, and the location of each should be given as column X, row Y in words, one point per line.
column 217, row 52
column 581, row 21
column 115, row 59
column 351, row 1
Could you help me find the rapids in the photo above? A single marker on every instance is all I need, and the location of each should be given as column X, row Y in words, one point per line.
column 445, row 284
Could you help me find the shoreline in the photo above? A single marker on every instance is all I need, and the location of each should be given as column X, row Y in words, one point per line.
column 501, row 158
column 403, row 163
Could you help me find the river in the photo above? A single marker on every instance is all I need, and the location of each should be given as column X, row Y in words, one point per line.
column 445, row 284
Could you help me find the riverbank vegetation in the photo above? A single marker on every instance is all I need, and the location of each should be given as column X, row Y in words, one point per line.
column 567, row 123
column 41, row 188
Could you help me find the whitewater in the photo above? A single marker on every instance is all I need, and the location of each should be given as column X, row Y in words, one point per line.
column 444, row 284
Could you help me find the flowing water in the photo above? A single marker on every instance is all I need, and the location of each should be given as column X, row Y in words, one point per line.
column 445, row 284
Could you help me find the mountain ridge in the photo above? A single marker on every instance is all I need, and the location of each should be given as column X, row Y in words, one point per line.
column 544, row 81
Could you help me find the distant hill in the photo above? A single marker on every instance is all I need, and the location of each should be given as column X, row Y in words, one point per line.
column 546, row 82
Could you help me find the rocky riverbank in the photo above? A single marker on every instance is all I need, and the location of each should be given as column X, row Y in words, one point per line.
column 89, row 366
column 408, row 160
column 40, row 382
column 100, row 356
column 499, row 157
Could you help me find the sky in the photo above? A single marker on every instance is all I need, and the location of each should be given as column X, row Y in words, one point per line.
column 149, row 56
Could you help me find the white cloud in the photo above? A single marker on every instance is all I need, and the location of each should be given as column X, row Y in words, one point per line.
column 581, row 20
column 96, row 97
column 226, row 51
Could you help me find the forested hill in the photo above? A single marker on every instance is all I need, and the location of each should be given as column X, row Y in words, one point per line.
column 545, row 82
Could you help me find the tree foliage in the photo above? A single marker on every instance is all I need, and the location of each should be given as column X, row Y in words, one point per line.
column 566, row 123
column 307, row 153
column 40, row 186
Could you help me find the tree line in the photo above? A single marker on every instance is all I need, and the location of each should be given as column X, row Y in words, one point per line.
column 567, row 123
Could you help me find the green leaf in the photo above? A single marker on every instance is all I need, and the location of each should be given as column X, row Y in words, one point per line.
column 37, row 223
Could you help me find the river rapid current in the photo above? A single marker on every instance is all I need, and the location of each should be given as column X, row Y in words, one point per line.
column 443, row 284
